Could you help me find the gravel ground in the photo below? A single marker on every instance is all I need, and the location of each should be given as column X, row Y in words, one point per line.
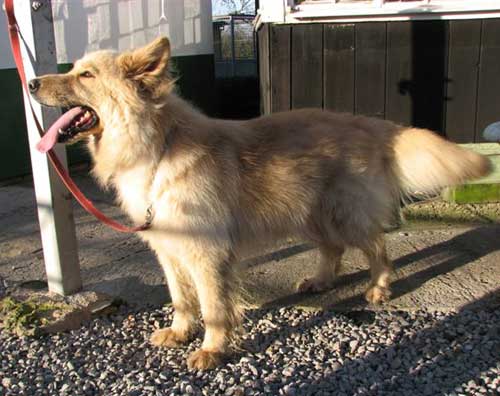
column 287, row 351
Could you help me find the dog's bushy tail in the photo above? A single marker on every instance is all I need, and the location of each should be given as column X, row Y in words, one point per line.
column 426, row 162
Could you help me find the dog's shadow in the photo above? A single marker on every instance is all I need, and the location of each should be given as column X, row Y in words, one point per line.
column 431, row 261
column 448, row 256
column 454, row 253
column 420, row 267
column 409, row 350
column 346, row 295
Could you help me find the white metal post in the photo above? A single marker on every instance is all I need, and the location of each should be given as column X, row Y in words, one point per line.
column 54, row 202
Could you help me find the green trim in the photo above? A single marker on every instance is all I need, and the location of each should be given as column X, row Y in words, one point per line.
column 13, row 137
column 473, row 193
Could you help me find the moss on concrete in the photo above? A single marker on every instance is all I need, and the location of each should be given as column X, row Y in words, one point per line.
column 27, row 317
column 441, row 211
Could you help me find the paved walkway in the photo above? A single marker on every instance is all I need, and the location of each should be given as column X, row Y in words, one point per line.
column 438, row 266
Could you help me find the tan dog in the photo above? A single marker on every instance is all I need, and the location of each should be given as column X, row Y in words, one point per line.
column 217, row 187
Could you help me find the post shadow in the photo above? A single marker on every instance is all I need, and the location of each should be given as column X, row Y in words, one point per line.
column 405, row 285
column 416, row 368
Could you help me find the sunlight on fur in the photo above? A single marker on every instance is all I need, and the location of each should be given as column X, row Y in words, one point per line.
column 219, row 188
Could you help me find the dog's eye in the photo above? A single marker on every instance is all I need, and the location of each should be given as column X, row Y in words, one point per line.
column 86, row 74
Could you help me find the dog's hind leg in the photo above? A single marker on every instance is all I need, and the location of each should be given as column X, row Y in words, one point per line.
column 380, row 268
column 327, row 270
column 218, row 292
column 185, row 304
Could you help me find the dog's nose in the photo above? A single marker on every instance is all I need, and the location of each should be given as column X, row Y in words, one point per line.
column 34, row 85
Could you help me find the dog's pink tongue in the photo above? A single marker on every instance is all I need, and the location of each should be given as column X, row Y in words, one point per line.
column 49, row 139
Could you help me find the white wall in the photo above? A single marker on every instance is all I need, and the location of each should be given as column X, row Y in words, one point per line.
column 87, row 25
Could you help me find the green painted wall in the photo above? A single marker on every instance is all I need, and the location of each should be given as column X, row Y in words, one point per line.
column 14, row 156
column 195, row 82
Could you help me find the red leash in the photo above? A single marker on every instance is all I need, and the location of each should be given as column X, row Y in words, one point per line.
column 68, row 182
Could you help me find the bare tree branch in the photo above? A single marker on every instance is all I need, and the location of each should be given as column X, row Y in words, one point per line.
column 234, row 6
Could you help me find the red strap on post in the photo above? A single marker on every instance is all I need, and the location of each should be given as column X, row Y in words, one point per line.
column 61, row 171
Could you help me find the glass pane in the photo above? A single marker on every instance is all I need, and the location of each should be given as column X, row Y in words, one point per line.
column 243, row 40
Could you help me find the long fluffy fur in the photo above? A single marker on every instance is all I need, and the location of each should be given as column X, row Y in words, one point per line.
column 219, row 188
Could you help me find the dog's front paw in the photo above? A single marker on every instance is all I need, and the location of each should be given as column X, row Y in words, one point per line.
column 312, row 285
column 377, row 294
column 167, row 337
column 205, row 360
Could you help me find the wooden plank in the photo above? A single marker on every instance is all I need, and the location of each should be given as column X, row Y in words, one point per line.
column 491, row 149
column 430, row 50
column 370, row 69
column 307, row 66
column 486, row 189
column 399, row 85
column 463, row 69
column 264, row 75
column 54, row 204
column 472, row 193
column 338, row 67
column 488, row 103
column 280, row 67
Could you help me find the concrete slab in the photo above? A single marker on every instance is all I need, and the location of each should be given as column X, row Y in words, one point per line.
column 439, row 265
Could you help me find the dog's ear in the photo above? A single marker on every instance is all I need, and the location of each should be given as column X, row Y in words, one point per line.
column 147, row 65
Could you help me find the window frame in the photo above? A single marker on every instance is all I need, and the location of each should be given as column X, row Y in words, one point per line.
column 307, row 11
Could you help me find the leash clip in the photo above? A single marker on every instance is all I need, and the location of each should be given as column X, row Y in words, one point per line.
column 149, row 215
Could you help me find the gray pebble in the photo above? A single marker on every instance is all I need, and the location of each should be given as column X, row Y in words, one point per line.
column 289, row 390
column 293, row 352
column 288, row 372
column 396, row 363
column 6, row 382
column 353, row 345
column 254, row 370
